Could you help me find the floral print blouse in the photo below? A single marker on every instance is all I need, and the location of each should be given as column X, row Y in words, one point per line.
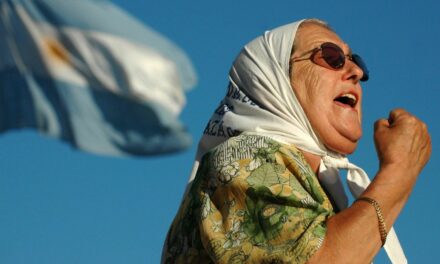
column 253, row 200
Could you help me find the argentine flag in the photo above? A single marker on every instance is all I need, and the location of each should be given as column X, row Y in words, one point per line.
column 88, row 73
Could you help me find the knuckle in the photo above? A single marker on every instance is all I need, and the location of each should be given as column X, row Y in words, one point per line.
column 411, row 119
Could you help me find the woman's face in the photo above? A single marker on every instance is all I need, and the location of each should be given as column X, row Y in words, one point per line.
column 321, row 91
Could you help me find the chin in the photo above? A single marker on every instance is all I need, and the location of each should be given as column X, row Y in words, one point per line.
column 346, row 143
column 339, row 138
column 345, row 148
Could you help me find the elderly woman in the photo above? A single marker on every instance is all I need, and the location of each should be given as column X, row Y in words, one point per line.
column 265, row 186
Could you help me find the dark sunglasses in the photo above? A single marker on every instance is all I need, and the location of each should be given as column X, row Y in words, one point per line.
column 334, row 58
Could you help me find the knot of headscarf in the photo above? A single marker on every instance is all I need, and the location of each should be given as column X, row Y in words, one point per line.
column 260, row 100
column 357, row 179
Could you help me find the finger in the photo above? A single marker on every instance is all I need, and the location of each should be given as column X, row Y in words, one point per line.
column 427, row 146
column 381, row 123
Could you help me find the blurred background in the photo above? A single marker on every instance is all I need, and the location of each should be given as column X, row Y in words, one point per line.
column 61, row 205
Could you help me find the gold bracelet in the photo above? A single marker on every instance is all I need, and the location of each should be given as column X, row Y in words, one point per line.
column 382, row 225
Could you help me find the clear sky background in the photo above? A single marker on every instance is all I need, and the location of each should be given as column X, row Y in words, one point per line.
column 60, row 205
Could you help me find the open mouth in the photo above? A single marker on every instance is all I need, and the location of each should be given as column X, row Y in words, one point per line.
column 347, row 100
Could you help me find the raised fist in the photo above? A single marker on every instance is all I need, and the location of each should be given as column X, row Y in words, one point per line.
column 402, row 142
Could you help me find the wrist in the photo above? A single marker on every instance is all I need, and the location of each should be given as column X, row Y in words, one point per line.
column 380, row 217
column 391, row 187
column 392, row 173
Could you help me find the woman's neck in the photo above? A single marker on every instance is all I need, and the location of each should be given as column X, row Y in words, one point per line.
column 313, row 160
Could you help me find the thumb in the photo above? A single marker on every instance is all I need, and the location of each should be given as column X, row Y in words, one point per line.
column 395, row 115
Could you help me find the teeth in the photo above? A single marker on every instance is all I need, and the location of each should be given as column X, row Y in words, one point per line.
column 350, row 96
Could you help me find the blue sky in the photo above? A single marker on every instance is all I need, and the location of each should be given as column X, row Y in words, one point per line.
column 59, row 205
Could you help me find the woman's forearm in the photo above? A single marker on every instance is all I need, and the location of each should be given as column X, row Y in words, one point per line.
column 353, row 234
column 403, row 146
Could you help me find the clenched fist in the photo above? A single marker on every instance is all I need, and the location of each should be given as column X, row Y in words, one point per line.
column 402, row 143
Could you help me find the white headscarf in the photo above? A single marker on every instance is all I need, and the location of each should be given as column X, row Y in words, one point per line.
column 260, row 100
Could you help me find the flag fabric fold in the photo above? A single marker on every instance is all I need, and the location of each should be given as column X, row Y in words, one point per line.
column 88, row 73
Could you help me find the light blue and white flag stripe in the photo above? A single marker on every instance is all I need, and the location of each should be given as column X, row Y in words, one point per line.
column 87, row 72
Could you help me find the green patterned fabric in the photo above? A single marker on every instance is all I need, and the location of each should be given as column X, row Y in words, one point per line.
column 253, row 200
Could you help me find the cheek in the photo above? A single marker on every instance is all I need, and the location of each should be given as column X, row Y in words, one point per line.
column 312, row 83
column 305, row 82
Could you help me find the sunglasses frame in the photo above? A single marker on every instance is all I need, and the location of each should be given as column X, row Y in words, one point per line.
column 356, row 59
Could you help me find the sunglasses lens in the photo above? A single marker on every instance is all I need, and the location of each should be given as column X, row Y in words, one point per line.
column 359, row 62
column 333, row 55
column 330, row 55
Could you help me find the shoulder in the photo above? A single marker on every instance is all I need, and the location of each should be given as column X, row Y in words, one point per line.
column 254, row 160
